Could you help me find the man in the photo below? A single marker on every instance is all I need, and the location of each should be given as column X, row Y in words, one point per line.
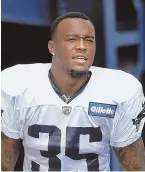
column 68, row 113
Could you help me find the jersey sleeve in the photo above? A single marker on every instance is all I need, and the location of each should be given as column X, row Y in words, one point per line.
column 130, row 120
column 10, row 124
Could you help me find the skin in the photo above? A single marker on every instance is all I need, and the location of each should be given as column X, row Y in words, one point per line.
column 9, row 152
column 73, row 37
column 132, row 157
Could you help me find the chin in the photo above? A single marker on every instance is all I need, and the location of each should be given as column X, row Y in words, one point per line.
column 78, row 70
column 78, row 73
column 81, row 68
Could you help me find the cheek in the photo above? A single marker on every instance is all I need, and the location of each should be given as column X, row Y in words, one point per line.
column 92, row 51
column 64, row 54
column 65, row 49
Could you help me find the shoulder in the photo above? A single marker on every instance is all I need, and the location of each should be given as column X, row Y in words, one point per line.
column 119, row 83
column 17, row 78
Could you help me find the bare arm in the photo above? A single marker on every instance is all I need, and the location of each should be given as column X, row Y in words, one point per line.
column 132, row 156
column 9, row 152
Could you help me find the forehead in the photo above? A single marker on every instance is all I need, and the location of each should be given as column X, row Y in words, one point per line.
column 75, row 25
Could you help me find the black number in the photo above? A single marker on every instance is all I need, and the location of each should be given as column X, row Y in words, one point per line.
column 72, row 145
column 53, row 145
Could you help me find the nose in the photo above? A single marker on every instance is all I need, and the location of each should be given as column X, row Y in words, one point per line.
column 81, row 45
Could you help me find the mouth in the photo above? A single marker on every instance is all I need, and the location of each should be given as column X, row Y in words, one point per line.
column 80, row 58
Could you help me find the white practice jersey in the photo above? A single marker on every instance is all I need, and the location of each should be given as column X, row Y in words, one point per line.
column 74, row 136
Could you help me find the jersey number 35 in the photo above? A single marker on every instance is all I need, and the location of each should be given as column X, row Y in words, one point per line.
column 71, row 147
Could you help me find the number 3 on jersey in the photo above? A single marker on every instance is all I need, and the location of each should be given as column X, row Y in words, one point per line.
column 72, row 145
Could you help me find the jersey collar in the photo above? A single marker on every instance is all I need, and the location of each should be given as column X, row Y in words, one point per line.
column 68, row 99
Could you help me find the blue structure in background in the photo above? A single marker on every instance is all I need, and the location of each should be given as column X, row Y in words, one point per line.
column 114, row 39
column 62, row 6
column 31, row 12
column 141, row 20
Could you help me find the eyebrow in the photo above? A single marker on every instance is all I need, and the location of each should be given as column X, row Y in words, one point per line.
column 87, row 36
column 90, row 36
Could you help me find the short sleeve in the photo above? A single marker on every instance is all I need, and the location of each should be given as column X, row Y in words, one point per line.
column 129, row 122
column 10, row 118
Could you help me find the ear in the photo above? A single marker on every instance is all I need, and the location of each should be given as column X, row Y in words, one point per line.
column 51, row 47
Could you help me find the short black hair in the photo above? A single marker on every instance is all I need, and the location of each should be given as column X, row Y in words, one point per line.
column 66, row 16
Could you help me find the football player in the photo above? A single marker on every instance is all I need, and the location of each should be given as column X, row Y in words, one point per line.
column 69, row 113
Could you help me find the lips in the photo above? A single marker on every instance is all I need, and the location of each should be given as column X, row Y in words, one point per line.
column 80, row 57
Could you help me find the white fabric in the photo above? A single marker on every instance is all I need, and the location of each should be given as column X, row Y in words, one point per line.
column 34, row 113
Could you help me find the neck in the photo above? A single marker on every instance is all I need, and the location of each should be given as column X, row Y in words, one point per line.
column 67, row 84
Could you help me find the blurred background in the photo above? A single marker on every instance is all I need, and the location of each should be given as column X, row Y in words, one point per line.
column 119, row 25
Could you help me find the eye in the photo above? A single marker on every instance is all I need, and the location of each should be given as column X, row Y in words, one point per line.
column 90, row 40
column 71, row 39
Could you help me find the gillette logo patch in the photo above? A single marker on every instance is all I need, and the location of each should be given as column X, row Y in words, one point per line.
column 102, row 110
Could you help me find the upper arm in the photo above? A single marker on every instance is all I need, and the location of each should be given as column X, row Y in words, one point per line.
column 11, row 122
column 132, row 156
column 129, row 121
column 127, row 130
column 9, row 152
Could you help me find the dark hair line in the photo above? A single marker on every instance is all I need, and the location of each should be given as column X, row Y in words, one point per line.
column 66, row 16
